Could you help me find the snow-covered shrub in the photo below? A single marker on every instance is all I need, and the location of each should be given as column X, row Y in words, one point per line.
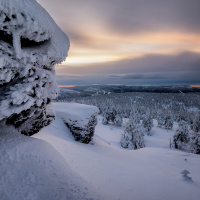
column 30, row 45
column 181, row 115
column 195, row 125
column 132, row 138
column 168, row 124
column 111, row 115
column 165, row 120
column 181, row 137
column 147, row 122
column 118, row 121
column 186, row 139
column 195, row 142
column 104, row 120
column 195, row 134
column 134, row 116
column 160, row 121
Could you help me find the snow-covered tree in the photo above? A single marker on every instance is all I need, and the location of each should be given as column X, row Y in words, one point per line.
column 134, row 116
column 104, row 120
column 165, row 119
column 181, row 137
column 112, row 115
column 30, row 45
column 160, row 118
column 195, row 134
column 168, row 124
column 132, row 138
column 108, row 115
column 118, row 121
column 195, row 125
column 147, row 122
column 195, row 142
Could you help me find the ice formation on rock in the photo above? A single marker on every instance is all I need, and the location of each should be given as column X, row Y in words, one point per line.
column 30, row 45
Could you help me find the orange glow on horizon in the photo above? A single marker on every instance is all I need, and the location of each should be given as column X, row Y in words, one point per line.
column 195, row 86
column 109, row 47
column 73, row 60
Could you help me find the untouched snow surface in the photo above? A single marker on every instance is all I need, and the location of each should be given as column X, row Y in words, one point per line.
column 152, row 173
column 52, row 166
column 31, row 169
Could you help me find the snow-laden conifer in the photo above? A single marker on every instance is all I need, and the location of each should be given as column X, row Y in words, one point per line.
column 147, row 122
column 195, row 134
column 195, row 125
column 165, row 119
column 195, row 142
column 181, row 136
column 118, row 121
column 132, row 138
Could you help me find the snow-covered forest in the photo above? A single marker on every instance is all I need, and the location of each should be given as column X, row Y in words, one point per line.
column 142, row 108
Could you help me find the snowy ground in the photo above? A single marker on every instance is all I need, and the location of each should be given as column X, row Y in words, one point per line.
column 151, row 173
column 31, row 169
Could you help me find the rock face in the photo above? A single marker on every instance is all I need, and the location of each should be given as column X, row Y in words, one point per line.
column 30, row 45
column 85, row 133
column 80, row 119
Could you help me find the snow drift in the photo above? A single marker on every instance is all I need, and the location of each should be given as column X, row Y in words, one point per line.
column 30, row 45
column 32, row 169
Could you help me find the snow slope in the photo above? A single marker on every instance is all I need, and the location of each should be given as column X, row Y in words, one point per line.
column 153, row 172
column 31, row 169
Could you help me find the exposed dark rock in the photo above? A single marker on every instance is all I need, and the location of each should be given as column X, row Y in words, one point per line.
column 80, row 119
column 83, row 134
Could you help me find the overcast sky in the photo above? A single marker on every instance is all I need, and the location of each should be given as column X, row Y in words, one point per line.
column 129, row 41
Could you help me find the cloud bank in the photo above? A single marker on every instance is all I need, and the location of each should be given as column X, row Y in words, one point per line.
column 184, row 67
column 129, row 41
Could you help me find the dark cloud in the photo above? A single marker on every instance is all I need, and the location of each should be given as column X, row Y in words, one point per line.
column 187, row 61
column 81, row 19
column 69, row 76
column 185, row 66
column 127, row 16
column 149, row 15
column 142, row 76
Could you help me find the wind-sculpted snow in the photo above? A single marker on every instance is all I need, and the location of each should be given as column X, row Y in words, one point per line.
column 32, row 169
column 30, row 45
column 81, row 119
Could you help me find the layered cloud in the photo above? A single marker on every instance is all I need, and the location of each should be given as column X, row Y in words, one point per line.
column 183, row 68
column 115, row 41
column 125, row 16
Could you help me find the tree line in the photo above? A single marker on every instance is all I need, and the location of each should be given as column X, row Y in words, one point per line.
column 141, row 108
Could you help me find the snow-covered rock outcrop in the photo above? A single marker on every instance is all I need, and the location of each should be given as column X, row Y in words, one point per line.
column 81, row 119
column 30, row 45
